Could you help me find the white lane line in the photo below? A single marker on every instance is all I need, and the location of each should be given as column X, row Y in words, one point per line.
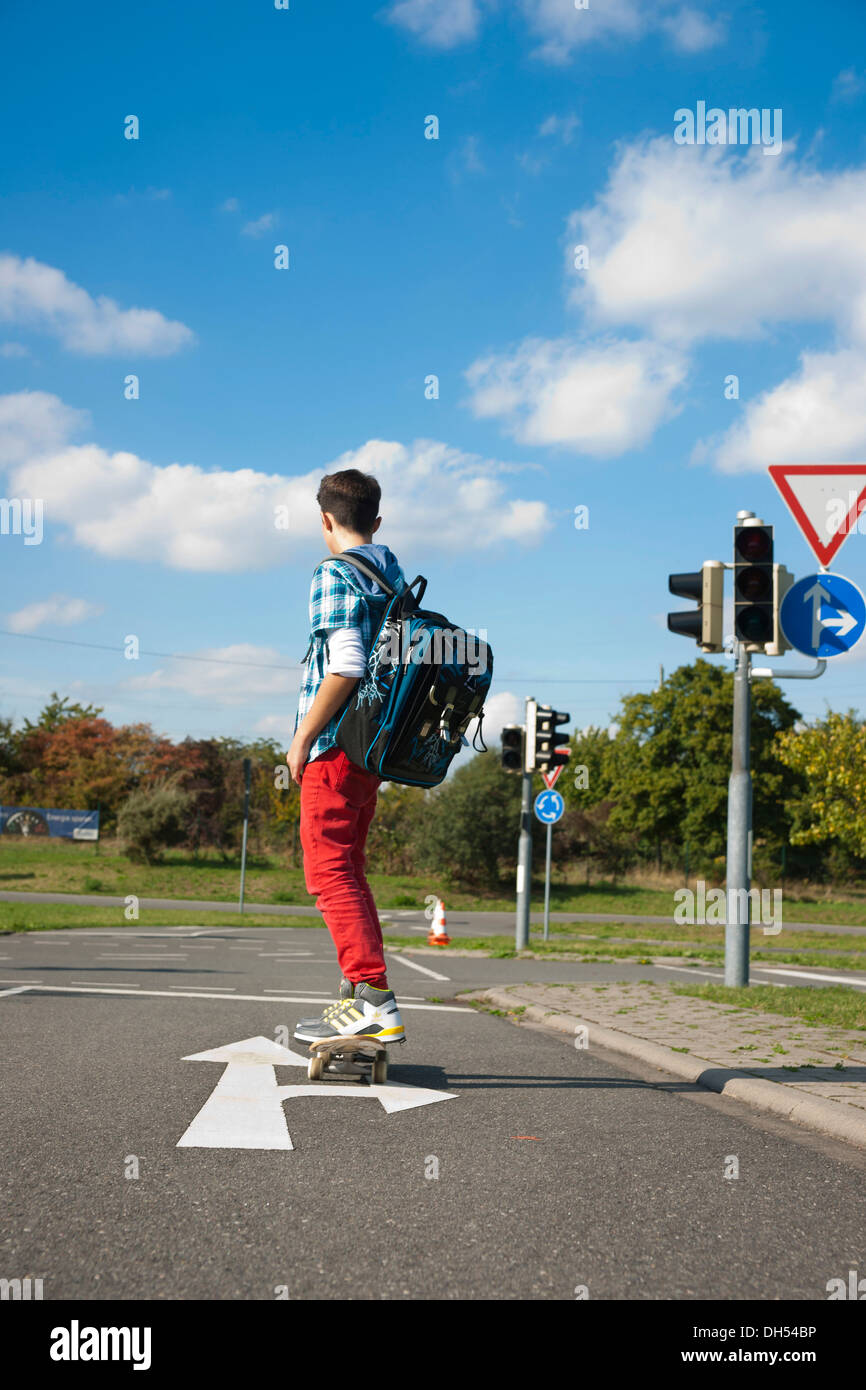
column 413, row 965
column 244, row 998
column 20, row 989
column 98, row 984
column 143, row 955
column 18, row 982
column 809, row 975
column 687, row 970
column 323, row 993
column 283, row 955
column 227, row 989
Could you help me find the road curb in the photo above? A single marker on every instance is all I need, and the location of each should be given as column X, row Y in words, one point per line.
column 825, row 1116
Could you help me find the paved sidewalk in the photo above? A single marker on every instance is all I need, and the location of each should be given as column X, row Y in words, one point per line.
column 813, row 1075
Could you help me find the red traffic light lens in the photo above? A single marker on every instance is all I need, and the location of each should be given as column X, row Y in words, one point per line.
column 754, row 544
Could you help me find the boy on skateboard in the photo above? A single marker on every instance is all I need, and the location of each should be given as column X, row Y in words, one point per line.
column 338, row 799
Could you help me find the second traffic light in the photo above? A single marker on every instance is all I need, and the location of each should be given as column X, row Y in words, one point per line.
column 512, row 748
column 545, row 748
column 704, row 623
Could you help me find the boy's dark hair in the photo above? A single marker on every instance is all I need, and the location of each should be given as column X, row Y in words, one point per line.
column 352, row 498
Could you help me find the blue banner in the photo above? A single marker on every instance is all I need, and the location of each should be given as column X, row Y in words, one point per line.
column 40, row 820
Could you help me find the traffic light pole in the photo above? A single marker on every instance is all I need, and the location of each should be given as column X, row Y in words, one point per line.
column 739, row 828
column 524, row 865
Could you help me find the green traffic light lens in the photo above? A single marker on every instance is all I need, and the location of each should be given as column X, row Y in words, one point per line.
column 754, row 625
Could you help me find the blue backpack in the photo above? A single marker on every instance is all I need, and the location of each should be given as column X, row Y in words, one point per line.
column 425, row 681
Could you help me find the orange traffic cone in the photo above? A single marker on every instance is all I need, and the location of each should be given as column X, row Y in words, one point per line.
column 438, row 934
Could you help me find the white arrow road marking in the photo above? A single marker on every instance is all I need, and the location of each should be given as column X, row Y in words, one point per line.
column 245, row 1109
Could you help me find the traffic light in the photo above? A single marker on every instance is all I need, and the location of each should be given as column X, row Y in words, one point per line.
column 704, row 623
column 545, row 748
column 512, row 748
column 755, row 581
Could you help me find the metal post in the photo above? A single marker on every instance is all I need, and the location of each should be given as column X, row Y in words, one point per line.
column 524, row 865
column 739, row 830
column 547, row 883
column 247, row 774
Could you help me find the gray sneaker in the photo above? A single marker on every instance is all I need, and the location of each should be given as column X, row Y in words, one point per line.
column 347, row 991
column 367, row 1011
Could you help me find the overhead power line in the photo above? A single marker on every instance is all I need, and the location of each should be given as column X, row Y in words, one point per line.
column 270, row 666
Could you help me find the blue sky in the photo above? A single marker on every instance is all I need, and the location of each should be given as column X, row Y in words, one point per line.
column 408, row 257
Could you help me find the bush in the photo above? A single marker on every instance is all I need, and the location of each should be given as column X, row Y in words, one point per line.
column 152, row 819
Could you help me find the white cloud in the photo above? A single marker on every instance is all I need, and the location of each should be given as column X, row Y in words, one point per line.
column 600, row 399
column 38, row 296
column 563, row 29
column 279, row 726
column 260, row 225
column 34, row 422
column 500, row 709
column 439, row 23
column 230, row 205
column 233, row 675
column 560, row 27
column 688, row 242
column 14, row 350
column 181, row 515
column 691, row 31
column 560, row 127
column 59, row 610
column 848, row 85
column 817, row 415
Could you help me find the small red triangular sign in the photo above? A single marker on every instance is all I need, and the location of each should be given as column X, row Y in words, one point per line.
column 825, row 500
column 551, row 776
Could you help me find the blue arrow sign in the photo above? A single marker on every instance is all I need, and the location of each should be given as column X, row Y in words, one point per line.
column 823, row 615
column 549, row 806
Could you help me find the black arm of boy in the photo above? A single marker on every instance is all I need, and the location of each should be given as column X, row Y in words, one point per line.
column 330, row 697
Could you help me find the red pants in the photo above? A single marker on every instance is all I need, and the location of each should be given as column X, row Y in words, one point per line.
column 338, row 801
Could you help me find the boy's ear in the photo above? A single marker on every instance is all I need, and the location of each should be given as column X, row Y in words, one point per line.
column 376, row 524
column 327, row 521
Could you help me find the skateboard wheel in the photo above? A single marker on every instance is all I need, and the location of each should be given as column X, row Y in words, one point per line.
column 314, row 1069
column 380, row 1069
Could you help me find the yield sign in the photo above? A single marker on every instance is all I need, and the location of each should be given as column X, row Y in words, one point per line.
column 824, row 499
column 551, row 776
column 245, row 1109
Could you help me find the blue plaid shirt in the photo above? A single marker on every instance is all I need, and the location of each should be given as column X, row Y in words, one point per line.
column 339, row 598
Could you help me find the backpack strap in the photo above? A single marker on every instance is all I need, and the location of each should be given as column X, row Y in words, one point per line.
column 372, row 572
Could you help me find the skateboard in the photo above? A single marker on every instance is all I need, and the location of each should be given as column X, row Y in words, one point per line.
column 359, row 1056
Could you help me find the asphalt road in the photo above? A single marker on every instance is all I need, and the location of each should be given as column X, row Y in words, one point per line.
column 557, row 1168
column 460, row 923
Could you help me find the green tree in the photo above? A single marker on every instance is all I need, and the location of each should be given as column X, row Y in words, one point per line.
column 152, row 819
column 671, row 757
column 471, row 822
column 829, row 760
column 58, row 711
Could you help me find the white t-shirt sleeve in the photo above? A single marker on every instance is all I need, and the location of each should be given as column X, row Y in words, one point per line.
column 346, row 653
